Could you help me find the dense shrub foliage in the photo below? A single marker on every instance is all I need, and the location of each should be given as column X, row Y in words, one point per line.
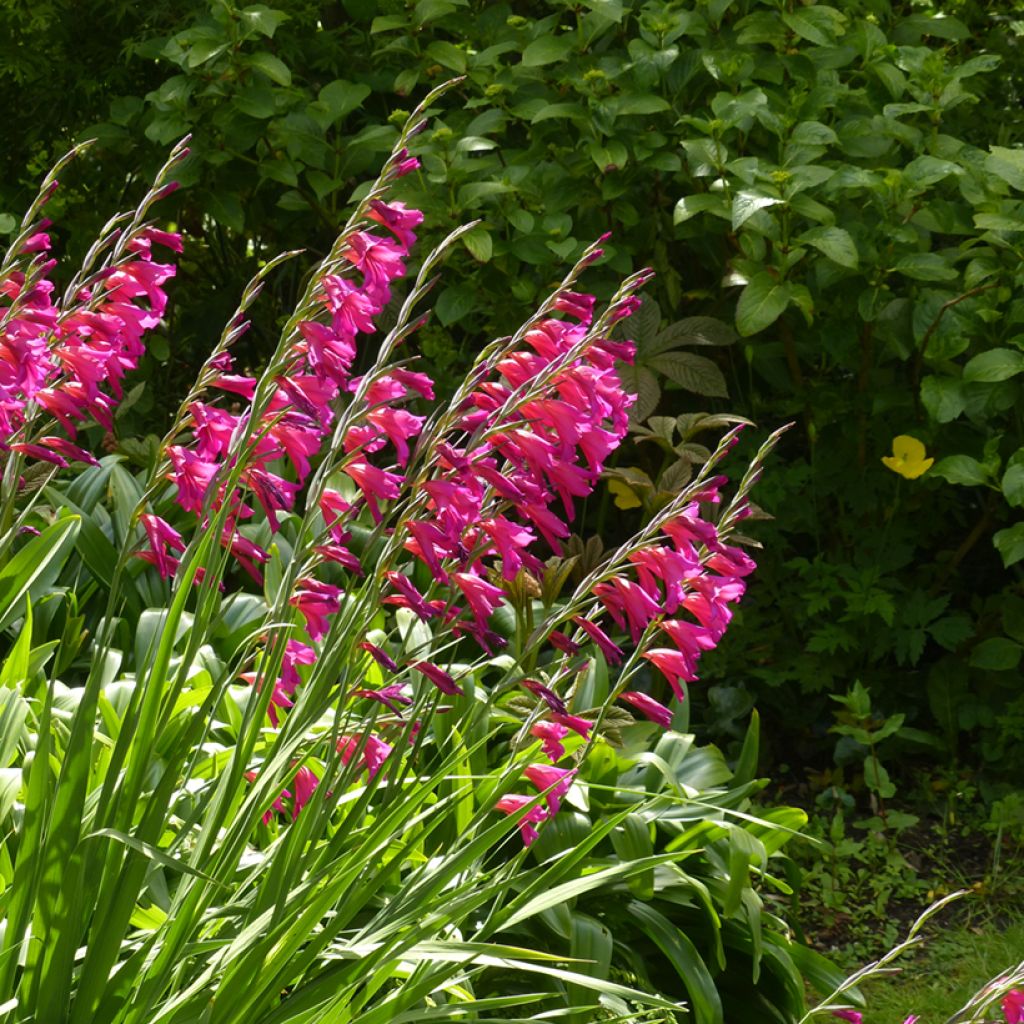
column 836, row 182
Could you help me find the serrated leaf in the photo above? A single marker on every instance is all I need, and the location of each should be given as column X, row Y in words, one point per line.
column 693, row 372
column 639, row 381
column 623, row 495
column 693, row 330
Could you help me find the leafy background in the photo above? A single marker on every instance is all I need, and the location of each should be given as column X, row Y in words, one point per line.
column 831, row 195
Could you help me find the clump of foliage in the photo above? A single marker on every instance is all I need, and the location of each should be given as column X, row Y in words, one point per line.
column 836, row 181
column 296, row 722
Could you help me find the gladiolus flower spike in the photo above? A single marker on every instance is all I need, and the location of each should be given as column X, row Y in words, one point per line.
column 479, row 494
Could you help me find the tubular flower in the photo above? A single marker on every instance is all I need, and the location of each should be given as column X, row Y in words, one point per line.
column 1013, row 1006
column 555, row 783
column 551, row 735
column 514, row 803
column 648, row 707
column 70, row 360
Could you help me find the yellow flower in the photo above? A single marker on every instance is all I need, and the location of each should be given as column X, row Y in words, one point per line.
column 907, row 457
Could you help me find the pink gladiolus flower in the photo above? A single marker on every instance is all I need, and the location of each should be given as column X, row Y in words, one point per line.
column 380, row 261
column 305, row 783
column 649, row 707
column 853, row 1016
column 611, row 652
column 562, row 643
column 555, row 781
column 626, row 600
column 1013, row 1006
column 316, row 601
column 162, row 536
column 391, row 696
column 380, row 656
column 441, row 679
column 376, row 484
column 483, row 597
column 513, row 803
column 676, row 667
column 553, row 701
column 551, row 735
column 398, row 218
column 277, row 805
column 575, row 723
column 374, row 753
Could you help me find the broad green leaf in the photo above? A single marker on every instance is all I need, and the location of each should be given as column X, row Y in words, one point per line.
column 835, row 243
column 943, row 397
column 813, row 133
column 478, row 241
column 692, row 330
column 994, row 365
column 690, row 206
column 1012, row 484
column 340, row 97
column 1007, row 164
column 925, row 266
column 684, row 957
column 927, row 170
column 256, row 100
column 761, row 303
column 962, row 470
column 1010, row 544
column 263, row 19
column 547, row 50
column 273, row 67
column 639, row 381
column 747, row 202
column 997, row 654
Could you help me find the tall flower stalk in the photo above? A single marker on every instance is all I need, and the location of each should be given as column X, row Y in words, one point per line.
column 269, row 835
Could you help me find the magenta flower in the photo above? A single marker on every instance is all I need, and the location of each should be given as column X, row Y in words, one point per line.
column 551, row 735
column 514, row 803
column 677, row 667
column 441, row 679
column 649, row 707
column 374, row 753
column 575, row 723
column 162, row 536
column 553, row 701
column 483, row 597
column 380, row 656
column 555, row 783
column 1013, row 1006
column 305, row 783
column 316, row 601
